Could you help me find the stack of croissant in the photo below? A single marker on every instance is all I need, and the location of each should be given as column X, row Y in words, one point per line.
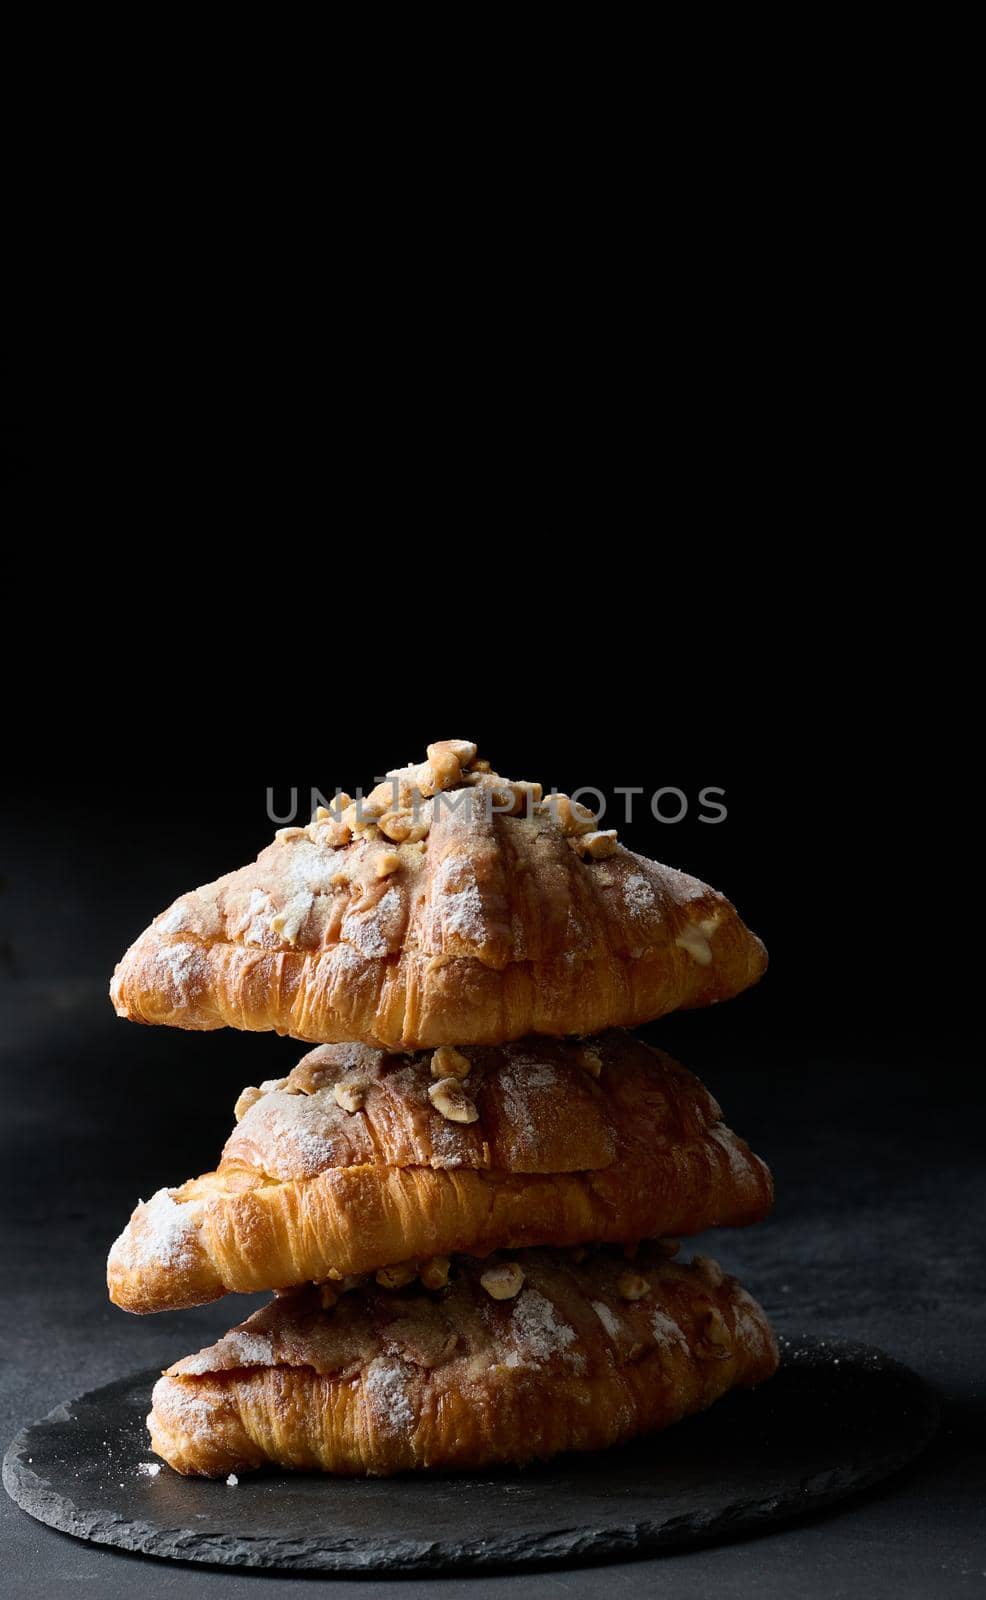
column 467, row 1198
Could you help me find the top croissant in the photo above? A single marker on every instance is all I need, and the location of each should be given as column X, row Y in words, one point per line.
column 449, row 906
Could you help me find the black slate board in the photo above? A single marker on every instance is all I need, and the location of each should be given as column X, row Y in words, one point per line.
column 836, row 1419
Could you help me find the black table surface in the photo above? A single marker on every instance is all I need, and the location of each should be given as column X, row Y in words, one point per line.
column 876, row 1146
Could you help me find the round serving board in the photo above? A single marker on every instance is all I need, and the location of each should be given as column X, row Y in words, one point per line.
column 836, row 1419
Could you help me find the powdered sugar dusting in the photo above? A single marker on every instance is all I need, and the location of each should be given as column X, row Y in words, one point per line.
column 176, row 920
column 539, row 1332
column 386, row 1393
column 464, row 914
column 345, row 958
column 725, row 1138
column 161, row 1234
column 258, row 910
column 457, row 905
column 373, row 932
column 306, row 868
column 366, row 935
column 149, row 1469
column 665, row 1330
column 749, row 1320
column 239, row 1348
column 638, row 894
column 529, row 1070
column 192, row 1414
column 685, row 888
column 388, row 904
column 520, row 1077
column 182, row 964
column 296, row 1135
column 451, row 1144
column 608, row 1319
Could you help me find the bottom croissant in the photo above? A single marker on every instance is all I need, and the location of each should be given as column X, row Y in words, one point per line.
column 581, row 1355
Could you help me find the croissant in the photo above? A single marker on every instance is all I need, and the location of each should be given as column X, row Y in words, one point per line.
column 451, row 906
column 557, row 1143
column 515, row 1360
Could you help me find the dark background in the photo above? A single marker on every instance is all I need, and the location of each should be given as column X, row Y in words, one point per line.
column 687, row 512
column 853, row 1067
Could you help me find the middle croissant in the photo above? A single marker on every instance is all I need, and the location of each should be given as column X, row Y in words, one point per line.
column 361, row 1159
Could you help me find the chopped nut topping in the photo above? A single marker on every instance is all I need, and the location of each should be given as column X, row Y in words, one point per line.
column 444, row 768
column 306, row 1078
column 333, row 813
column 708, row 1269
column 401, row 807
column 696, row 944
column 503, row 1281
column 694, row 938
column 398, row 1275
column 392, row 793
column 463, row 748
column 423, row 781
column 434, row 1272
column 287, row 924
column 449, row 1097
column 327, row 1296
column 510, row 799
column 591, row 1060
column 349, row 1096
column 329, row 824
column 632, row 1286
column 248, row 1098
column 387, row 861
column 598, row 845
column 571, row 816
column 447, row 1062
column 377, row 802
column 404, row 827
column 362, row 816
column 715, row 1342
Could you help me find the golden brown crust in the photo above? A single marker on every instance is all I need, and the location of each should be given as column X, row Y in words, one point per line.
column 556, row 1155
column 383, row 1382
column 489, row 928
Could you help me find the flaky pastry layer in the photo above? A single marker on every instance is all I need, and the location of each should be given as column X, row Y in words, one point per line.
column 605, row 1139
column 580, row 1357
column 487, row 928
